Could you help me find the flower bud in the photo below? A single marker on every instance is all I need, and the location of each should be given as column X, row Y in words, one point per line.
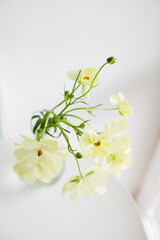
column 82, row 125
column 111, row 60
column 66, row 93
column 79, row 155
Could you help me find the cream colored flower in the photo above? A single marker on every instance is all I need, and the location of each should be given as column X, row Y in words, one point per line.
column 119, row 161
column 86, row 77
column 39, row 160
column 94, row 145
column 122, row 104
column 118, row 134
column 95, row 180
column 118, row 156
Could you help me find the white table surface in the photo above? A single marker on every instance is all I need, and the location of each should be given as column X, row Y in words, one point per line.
column 39, row 212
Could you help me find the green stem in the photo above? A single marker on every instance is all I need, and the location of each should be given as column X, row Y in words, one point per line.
column 59, row 104
column 70, row 115
column 46, row 122
column 108, row 109
column 73, row 126
column 73, row 89
column 70, row 149
column 91, row 83
column 89, row 108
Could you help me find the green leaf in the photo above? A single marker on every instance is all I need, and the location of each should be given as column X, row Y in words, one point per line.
column 55, row 129
column 37, row 124
column 35, row 116
column 50, row 134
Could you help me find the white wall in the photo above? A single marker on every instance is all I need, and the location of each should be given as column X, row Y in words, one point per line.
column 41, row 40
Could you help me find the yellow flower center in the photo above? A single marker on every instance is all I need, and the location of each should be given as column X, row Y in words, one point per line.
column 97, row 144
column 40, row 152
column 86, row 78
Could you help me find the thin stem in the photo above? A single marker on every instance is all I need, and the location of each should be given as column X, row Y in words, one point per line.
column 58, row 104
column 91, row 82
column 70, row 115
column 73, row 90
column 46, row 122
column 108, row 109
column 70, row 149
column 90, row 108
column 73, row 126
column 73, row 109
column 77, row 87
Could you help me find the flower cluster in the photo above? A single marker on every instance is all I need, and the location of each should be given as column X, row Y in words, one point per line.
column 42, row 159
column 113, row 145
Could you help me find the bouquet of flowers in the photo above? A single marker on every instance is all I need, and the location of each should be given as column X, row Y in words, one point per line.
column 42, row 158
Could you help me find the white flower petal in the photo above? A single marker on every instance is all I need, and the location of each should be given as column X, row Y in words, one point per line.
column 121, row 96
column 73, row 74
column 101, row 189
column 39, row 160
column 95, row 180
column 114, row 100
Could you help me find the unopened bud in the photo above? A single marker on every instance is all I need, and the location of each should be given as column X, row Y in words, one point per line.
column 111, row 60
column 66, row 93
column 79, row 155
column 82, row 125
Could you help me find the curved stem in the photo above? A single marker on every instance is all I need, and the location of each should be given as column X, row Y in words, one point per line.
column 70, row 149
column 90, row 108
column 70, row 115
column 91, row 82
column 73, row 90
column 58, row 104
column 46, row 122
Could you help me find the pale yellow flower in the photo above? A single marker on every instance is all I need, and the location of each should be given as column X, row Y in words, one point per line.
column 86, row 77
column 94, row 145
column 95, row 180
column 119, row 161
column 118, row 134
column 39, row 160
column 122, row 104
column 118, row 156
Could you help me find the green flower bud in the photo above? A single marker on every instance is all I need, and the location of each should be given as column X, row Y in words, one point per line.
column 82, row 125
column 111, row 60
column 66, row 93
column 78, row 133
column 79, row 155
column 39, row 131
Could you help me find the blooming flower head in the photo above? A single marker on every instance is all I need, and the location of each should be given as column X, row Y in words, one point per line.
column 118, row 156
column 119, row 161
column 39, row 160
column 122, row 104
column 118, row 134
column 86, row 79
column 94, row 145
column 95, row 180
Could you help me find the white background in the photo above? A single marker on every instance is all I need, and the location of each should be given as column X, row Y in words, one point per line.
column 41, row 40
